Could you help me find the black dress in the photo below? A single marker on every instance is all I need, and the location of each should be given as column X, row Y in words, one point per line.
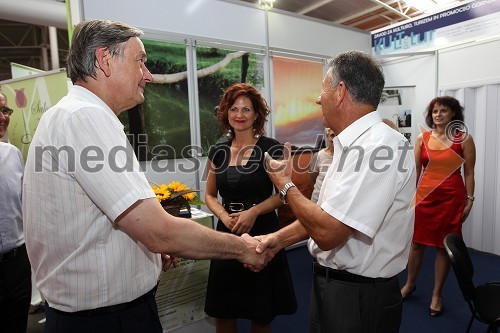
column 234, row 291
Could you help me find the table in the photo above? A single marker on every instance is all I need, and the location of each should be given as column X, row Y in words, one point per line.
column 181, row 290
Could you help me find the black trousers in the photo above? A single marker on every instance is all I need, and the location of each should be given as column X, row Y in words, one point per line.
column 15, row 291
column 354, row 307
column 142, row 317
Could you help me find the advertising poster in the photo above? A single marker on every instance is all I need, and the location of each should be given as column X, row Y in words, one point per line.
column 297, row 85
column 396, row 105
column 479, row 18
column 181, row 291
column 30, row 97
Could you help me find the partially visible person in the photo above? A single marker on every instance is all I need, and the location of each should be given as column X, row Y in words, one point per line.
column 96, row 235
column 15, row 270
column 236, row 173
column 360, row 230
column 3, row 103
column 3, row 100
column 444, row 198
column 390, row 123
column 319, row 164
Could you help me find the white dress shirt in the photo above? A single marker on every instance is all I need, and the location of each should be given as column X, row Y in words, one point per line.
column 81, row 174
column 11, row 215
column 369, row 187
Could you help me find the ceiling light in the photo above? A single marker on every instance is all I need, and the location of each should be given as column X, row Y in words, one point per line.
column 421, row 5
column 266, row 4
column 431, row 5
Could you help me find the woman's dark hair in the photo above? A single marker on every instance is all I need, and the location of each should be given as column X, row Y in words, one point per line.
column 258, row 102
column 452, row 103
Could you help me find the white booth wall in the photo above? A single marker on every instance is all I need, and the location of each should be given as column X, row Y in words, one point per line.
column 471, row 73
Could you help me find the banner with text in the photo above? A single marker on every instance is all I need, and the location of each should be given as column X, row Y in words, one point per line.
column 479, row 18
column 30, row 97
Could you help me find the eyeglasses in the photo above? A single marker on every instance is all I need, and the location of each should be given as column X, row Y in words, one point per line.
column 6, row 111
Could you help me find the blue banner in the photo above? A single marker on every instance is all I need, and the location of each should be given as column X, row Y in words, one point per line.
column 470, row 20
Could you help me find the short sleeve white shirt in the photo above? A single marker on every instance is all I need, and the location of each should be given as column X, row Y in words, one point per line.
column 81, row 174
column 11, row 216
column 369, row 187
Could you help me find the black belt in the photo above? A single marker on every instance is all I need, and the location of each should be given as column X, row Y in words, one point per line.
column 345, row 276
column 109, row 309
column 11, row 254
column 236, row 205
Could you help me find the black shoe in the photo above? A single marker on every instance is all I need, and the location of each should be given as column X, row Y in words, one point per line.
column 435, row 313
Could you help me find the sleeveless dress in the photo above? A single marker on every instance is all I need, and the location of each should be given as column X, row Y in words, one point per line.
column 440, row 194
column 234, row 291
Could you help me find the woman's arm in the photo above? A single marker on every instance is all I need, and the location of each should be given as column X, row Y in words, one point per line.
column 418, row 150
column 469, row 151
column 211, row 196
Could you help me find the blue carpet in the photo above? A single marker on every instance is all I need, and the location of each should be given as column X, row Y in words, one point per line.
column 416, row 318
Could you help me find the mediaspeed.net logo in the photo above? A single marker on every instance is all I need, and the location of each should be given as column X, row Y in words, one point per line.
column 436, row 173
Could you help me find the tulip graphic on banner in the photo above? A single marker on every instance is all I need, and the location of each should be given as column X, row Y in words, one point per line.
column 21, row 102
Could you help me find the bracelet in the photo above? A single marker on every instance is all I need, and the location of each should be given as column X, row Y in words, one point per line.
column 469, row 197
column 220, row 213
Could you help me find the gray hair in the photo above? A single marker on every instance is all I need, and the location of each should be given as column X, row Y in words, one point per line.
column 362, row 75
column 90, row 35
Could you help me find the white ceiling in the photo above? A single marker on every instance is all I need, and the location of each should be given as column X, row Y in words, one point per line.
column 366, row 15
column 27, row 44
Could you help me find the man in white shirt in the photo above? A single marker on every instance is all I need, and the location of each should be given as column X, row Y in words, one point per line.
column 360, row 230
column 94, row 228
column 15, row 270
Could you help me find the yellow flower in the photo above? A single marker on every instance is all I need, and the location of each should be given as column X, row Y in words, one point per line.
column 165, row 192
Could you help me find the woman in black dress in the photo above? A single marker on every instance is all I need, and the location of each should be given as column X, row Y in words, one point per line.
column 236, row 172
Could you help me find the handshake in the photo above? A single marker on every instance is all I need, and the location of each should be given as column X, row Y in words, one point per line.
column 260, row 250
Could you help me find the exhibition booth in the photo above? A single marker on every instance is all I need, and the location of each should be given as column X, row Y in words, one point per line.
column 195, row 48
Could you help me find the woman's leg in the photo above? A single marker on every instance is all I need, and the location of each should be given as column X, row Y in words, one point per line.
column 441, row 267
column 414, row 264
column 225, row 326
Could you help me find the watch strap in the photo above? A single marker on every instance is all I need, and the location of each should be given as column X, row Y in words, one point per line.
column 284, row 190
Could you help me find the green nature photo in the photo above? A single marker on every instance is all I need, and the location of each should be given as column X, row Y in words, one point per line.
column 163, row 120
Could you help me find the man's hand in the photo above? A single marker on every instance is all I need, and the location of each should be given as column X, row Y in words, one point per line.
column 280, row 172
column 255, row 260
column 168, row 261
column 268, row 245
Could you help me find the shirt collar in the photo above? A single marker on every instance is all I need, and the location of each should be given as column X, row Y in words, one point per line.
column 354, row 131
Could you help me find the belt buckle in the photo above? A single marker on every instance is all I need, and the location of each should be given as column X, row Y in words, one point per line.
column 236, row 206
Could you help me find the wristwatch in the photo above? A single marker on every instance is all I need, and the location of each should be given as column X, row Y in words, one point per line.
column 284, row 190
column 469, row 197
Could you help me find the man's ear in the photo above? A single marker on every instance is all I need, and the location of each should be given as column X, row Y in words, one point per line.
column 341, row 91
column 103, row 56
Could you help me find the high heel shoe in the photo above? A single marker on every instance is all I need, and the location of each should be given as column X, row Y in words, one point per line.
column 410, row 292
column 435, row 313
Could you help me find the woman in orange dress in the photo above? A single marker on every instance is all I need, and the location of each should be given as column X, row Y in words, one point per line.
column 444, row 198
